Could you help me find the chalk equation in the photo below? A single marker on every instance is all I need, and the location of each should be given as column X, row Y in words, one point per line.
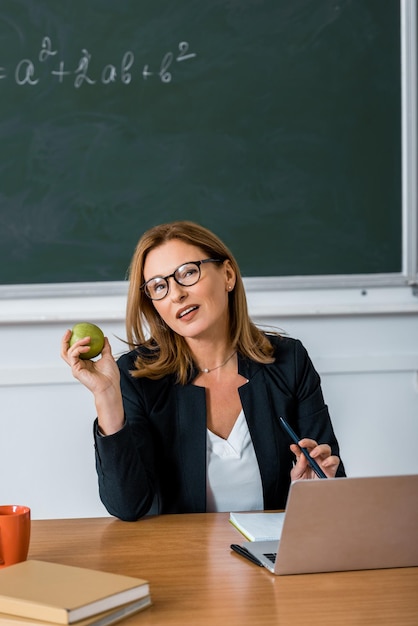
column 27, row 71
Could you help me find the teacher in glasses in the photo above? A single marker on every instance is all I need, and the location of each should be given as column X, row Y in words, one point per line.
column 188, row 419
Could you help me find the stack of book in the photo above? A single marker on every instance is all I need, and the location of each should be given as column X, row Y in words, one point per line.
column 40, row 593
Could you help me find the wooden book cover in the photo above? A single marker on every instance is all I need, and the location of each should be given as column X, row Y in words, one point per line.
column 64, row 594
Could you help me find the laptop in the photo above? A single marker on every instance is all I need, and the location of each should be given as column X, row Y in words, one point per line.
column 342, row 524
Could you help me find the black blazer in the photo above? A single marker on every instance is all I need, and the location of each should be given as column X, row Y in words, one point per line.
column 160, row 454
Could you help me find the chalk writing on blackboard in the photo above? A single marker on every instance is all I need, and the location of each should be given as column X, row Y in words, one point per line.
column 25, row 71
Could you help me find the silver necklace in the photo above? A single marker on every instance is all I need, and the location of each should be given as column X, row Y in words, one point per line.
column 207, row 369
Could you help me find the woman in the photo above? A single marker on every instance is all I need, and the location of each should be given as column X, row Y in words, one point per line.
column 188, row 419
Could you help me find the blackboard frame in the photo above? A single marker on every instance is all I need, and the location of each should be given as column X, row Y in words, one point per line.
column 408, row 275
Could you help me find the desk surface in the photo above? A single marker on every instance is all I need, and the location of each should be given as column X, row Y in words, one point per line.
column 196, row 579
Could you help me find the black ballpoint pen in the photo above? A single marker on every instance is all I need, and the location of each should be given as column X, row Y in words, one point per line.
column 318, row 471
column 243, row 552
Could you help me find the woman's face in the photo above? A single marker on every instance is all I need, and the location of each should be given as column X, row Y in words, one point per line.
column 199, row 311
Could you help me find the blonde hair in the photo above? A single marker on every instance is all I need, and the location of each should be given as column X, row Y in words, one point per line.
column 164, row 351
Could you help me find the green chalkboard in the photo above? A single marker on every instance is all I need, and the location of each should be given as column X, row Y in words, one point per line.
column 276, row 123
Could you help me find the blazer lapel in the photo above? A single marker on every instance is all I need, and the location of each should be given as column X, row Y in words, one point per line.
column 191, row 419
column 259, row 414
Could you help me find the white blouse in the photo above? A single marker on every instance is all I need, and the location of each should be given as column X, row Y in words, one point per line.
column 233, row 475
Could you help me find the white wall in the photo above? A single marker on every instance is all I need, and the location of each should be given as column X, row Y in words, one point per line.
column 365, row 346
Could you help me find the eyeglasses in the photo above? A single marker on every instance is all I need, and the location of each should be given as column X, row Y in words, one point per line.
column 186, row 275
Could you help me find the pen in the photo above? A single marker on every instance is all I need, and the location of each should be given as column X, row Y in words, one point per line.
column 318, row 471
column 243, row 552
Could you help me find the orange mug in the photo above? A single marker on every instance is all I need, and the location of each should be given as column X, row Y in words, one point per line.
column 14, row 534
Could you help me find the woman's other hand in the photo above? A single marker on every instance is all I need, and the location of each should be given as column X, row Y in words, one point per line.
column 322, row 455
column 101, row 377
column 96, row 375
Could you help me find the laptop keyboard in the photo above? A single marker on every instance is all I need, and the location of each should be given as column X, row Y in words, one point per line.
column 271, row 556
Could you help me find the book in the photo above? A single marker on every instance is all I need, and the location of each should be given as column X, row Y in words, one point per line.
column 102, row 619
column 258, row 526
column 64, row 594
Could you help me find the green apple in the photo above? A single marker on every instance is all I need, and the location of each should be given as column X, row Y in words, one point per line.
column 85, row 329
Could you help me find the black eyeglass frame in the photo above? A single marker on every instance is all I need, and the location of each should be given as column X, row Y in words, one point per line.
column 173, row 275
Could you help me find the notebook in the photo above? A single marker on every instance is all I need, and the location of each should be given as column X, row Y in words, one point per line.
column 342, row 524
column 258, row 526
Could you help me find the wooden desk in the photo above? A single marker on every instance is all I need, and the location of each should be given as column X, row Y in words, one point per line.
column 196, row 579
